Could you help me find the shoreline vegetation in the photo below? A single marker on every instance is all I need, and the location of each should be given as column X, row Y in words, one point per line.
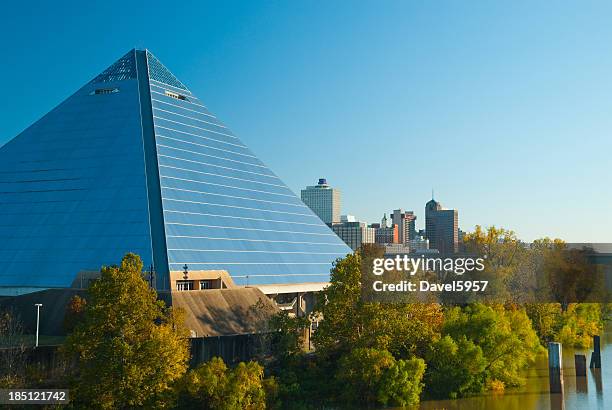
column 126, row 349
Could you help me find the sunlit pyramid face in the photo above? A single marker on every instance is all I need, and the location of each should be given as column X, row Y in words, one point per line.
column 134, row 162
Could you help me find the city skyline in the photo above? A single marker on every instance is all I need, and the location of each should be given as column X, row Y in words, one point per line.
column 509, row 123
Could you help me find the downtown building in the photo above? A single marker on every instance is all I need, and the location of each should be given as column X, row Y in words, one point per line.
column 323, row 200
column 441, row 227
column 355, row 233
column 385, row 234
column 134, row 162
column 406, row 224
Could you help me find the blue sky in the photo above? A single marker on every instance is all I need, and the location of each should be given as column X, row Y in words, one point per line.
column 504, row 108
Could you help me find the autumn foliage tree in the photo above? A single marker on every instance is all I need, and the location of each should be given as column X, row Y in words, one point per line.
column 129, row 346
column 75, row 311
column 212, row 385
column 404, row 329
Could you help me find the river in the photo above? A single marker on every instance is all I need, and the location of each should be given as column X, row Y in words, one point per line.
column 592, row 392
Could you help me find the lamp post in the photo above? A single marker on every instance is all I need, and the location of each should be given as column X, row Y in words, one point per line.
column 151, row 275
column 185, row 272
column 38, row 306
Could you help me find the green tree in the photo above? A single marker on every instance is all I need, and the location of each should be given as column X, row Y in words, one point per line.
column 579, row 323
column 374, row 376
column 349, row 322
column 287, row 338
column 130, row 348
column 401, row 384
column 505, row 336
column 214, row 386
column 454, row 368
column 546, row 319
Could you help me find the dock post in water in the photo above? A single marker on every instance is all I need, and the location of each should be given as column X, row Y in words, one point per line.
column 596, row 356
column 555, row 367
column 580, row 361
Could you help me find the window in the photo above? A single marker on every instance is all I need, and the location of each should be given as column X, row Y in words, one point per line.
column 176, row 95
column 99, row 91
column 205, row 284
column 182, row 285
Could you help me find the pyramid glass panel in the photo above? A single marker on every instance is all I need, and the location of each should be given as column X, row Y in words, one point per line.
column 134, row 162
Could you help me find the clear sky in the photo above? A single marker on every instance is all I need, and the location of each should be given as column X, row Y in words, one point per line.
column 504, row 108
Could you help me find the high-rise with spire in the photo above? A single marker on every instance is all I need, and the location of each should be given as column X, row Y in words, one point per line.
column 383, row 222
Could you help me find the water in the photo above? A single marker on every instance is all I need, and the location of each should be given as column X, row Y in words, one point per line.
column 592, row 392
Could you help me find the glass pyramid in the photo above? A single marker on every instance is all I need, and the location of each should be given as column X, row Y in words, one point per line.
column 134, row 162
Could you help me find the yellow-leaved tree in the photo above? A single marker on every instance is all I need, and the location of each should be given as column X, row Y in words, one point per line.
column 129, row 346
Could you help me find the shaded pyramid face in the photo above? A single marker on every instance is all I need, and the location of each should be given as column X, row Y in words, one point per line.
column 134, row 162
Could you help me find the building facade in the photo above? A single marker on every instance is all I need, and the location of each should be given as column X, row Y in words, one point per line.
column 323, row 200
column 406, row 224
column 419, row 243
column 387, row 234
column 134, row 162
column 441, row 227
column 355, row 234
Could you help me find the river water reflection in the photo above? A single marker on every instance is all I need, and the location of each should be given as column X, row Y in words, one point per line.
column 592, row 392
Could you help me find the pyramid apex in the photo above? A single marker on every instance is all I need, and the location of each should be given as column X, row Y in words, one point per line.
column 122, row 69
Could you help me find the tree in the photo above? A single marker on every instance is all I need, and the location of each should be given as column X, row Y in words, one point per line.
column 287, row 337
column 214, row 386
column 454, row 368
column 349, row 322
column 130, row 348
column 401, row 384
column 505, row 336
column 374, row 376
column 507, row 267
column 546, row 319
column 279, row 333
column 12, row 350
column 571, row 276
column 579, row 323
column 75, row 311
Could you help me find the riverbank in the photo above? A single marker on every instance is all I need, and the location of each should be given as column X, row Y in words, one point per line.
column 592, row 392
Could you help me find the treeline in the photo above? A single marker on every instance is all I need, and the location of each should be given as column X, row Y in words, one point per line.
column 126, row 349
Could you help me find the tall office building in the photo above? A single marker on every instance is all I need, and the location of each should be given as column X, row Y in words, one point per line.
column 441, row 227
column 406, row 224
column 134, row 162
column 323, row 200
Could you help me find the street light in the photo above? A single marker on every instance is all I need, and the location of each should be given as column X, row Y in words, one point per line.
column 186, row 272
column 38, row 306
column 151, row 275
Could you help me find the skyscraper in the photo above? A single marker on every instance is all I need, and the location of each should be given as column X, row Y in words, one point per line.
column 323, row 200
column 406, row 224
column 441, row 227
column 134, row 162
